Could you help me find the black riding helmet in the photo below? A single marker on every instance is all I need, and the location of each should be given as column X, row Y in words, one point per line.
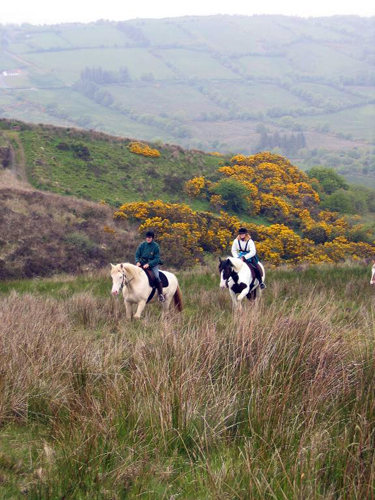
column 242, row 230
column 150, row 234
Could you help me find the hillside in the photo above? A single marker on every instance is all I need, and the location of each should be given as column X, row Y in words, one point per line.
column 194, row 200
column 100, row 167
column 227, row 83
column 44, row 234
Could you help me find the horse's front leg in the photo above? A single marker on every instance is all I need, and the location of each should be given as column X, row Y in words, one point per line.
column 243, row 294
column 140, row 307
column 128, row 310
column 233, row 296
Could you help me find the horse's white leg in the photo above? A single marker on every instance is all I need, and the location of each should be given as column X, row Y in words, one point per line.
column 140, row 307
column 243, row 294
column 234, row 299
column 167, row 302
column 128, row 310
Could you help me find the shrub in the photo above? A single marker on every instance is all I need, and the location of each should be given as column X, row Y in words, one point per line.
column 233, row 192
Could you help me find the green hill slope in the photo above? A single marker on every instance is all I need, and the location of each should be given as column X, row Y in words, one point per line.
column 201, row 82
column 99, row 167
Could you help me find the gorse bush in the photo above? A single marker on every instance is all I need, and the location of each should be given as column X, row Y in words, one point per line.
column 265, row 184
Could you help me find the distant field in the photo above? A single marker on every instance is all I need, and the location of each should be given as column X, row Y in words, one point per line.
column 359, row 122
column 329, row 92
column 196, row 63
column 163, row 97
column 69, row 64
column 265, row 67
column 255, row 97
column 324, row 61
column 94, row 36
column 195, row 68
column 361, row 180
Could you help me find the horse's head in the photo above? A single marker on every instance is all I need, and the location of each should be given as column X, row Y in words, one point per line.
column 225, row 269
column 372, row 281
column 118, row 278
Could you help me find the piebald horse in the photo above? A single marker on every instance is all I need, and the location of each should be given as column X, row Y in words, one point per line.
column 136, row 288
column 236, row 276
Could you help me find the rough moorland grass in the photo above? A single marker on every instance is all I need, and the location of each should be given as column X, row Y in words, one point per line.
column 276, row 402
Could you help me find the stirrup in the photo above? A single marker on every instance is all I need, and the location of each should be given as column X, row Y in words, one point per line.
column 161, row 297
column 262, row 286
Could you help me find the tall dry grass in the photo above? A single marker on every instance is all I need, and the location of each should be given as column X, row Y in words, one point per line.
column 276, row 402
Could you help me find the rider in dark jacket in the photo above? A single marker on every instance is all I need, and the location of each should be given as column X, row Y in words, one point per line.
column 148, row 256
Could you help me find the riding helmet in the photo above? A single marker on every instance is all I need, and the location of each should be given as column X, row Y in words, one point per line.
column 242, row 230
column 150, row 234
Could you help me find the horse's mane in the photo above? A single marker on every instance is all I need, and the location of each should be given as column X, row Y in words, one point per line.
column 237, row 263
column 131, row 269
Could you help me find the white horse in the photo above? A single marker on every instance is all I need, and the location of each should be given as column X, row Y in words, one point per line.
column 372, row 281
column 235, row 275
column 136, row 288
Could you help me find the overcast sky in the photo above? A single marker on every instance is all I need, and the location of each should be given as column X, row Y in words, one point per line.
column 58, row 11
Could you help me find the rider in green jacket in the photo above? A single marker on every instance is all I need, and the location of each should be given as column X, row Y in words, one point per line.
column 148, row 256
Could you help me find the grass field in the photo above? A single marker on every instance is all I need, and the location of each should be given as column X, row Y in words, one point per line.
column 269, row 403
column 360, row 125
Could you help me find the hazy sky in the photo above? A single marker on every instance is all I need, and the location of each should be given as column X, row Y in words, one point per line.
column 57, row 11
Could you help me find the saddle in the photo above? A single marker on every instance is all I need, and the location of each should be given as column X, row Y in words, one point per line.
column 152, row 281
column 252, row 270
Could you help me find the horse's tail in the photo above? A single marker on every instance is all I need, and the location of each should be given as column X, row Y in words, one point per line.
column 178, row 299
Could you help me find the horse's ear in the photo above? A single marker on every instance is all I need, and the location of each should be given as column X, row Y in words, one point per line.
column 229, row 262
column 220, row 259
column 122, row 266
column 112, row 266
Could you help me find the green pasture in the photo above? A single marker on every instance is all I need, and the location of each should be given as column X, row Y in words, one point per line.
column 359, row 122
column 237, row 36
column 7, row 62
column 47, row 40
column 69, row 64
column 199, row 64
column 264, row 66
column 236, row 137
column 330, row 92
column 170, row 34
column 94, row 35
column 256, row 97
column 161, row 98
column 321, row 60
column 76, row 106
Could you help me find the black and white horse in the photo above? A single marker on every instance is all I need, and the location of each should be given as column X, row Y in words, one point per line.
column 235, row 275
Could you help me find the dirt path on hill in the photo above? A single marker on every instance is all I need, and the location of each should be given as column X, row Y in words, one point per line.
column 15, row 175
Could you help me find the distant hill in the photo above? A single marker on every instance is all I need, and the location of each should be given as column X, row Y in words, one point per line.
column 226, row 83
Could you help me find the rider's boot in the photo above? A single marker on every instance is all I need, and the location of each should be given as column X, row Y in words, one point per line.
column 258, row 273
column 160, row 291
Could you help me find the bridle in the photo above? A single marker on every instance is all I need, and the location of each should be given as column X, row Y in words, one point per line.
column 232, row 276
column 124, row 282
